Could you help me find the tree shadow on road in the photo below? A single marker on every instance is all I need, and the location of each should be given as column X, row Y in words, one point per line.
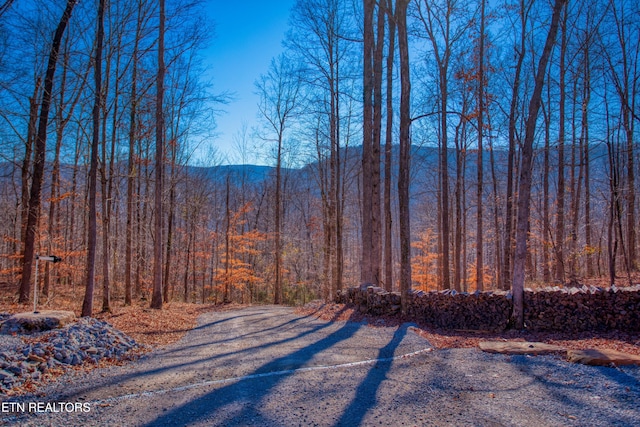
column 240, row 402
column 365, row 398
column 178, row 364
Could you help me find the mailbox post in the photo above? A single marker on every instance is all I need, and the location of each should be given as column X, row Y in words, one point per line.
column 50, row 258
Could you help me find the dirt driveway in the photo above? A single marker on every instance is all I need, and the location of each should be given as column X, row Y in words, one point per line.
column 267, row 366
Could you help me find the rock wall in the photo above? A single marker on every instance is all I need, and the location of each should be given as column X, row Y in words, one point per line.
column 552, row 309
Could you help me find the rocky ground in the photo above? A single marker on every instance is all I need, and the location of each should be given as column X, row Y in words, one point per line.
column 27, row 361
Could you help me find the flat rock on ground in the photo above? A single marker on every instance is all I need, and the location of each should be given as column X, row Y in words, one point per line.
column 37, row 321
column 519, row 347
column 602, row 357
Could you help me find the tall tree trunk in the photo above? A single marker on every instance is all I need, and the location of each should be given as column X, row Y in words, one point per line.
column 367, row 268
column 577, row 162
column 106, row 175
column 480, row 165
column 33, row 212
column 55, row 172
column 131, row 167
column 546, row 223
column 26, row 162
column 170, row 221
column 458, row 194
column 334, row 84
column 460, row 136
column 513, row 116
column 156, row 299
column 227, row 247
column 376, row 208
column 405, row 155
column 496, row 210
column 631, row 181
column 586, row 96
column 444, row 179
column 524, row 186
column 326, row 216
column 191, row 238
column 277, row 287
column 612, row 240
column 388, row 153
column 560, row 212
column 87, row 305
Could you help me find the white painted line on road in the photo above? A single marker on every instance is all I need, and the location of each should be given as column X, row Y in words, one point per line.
column 253, row 376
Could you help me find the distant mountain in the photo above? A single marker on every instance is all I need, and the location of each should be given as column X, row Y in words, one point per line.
column 251, row 173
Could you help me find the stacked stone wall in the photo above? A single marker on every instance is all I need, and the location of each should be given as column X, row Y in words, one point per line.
column 551, row 309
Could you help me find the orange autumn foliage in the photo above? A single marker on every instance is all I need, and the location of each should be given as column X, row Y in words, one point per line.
column 237, row 270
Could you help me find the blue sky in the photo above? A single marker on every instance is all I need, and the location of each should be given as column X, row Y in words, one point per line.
column 249, row 34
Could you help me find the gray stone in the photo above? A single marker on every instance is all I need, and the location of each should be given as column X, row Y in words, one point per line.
column 5, row 374
column 36, row 322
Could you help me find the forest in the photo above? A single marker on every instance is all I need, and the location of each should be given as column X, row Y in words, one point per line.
column 412, row 144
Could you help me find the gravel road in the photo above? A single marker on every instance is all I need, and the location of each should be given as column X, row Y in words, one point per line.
column 267, row 366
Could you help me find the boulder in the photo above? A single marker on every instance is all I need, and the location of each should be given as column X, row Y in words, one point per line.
column 602, row 357
column 36, row 322
column 519, row 347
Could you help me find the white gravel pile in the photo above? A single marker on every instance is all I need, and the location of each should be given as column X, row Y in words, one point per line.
column 87, row 339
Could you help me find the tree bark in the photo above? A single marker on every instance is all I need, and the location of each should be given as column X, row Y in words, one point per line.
column 405, row 155
column 156, row 299
column 546, row 223
column 376, row 208
column 560, row 212
column 480, row 164
column 26, row 162
column 586, row 96
column 367, row 274
column 277, row 287
column 227, row 247
column 131, row 166
column 388, row 151
column 87, row 305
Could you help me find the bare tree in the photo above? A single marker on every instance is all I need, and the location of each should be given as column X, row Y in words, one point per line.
column 625, row 74
column 62, row 118
column 509, row 240
column 279, row 92
column 87, row 305
column 524, row 188
column 39, row 155
column 5, row 6
column 156, row 299
column 444, row 26
column 131, row 167
column 318, row 33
